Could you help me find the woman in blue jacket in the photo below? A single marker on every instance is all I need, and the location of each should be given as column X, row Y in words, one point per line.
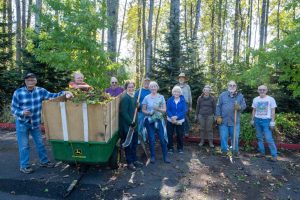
column 176, row 110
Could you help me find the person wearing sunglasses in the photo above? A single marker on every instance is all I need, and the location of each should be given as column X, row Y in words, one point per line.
column 263, row 119
column 114, row 90
column 229, row 103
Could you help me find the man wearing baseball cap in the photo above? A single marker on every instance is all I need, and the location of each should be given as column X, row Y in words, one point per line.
column 26, row 106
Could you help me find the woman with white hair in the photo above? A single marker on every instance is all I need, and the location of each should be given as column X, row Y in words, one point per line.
column 78, row 82
column 154, row 106
column 205, row 112
column 176, row 110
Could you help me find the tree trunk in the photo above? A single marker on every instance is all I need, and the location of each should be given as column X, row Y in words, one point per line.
column 278, row 19
column 236, row 30
column 185, row 22
column 18, row 32
column 138, row 44
column 212, row 27
column 144, row 29
column 249, row 29
column 262, row 24
column 37, row 25
column 156, row 28
column 122, row 27
column 112, row 13
column 149, row 40
column 191, row 19
column 266, row 22
column 220, row 32
column 197, row 20
column 4, row 17
column 10, row 30
column 174, row 38
column 29, row 14
column 23, row 44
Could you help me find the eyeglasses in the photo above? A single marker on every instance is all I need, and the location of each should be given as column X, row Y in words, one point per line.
column 114, row 82
column 230, row 85
column 262, row 90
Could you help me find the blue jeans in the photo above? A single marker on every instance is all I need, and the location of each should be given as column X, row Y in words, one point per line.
column 262, row 127
column 151, row 135
column 23, row 131
column 224, row 132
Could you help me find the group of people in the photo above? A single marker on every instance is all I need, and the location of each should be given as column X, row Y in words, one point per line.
column 152, row 107
column 224, row 111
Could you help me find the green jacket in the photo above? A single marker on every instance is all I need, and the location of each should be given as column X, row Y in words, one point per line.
column 126, row 113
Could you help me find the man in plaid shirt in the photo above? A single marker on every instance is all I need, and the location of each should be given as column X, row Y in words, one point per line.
column 26, row 106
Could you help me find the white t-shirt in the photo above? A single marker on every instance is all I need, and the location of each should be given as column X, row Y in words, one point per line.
column 263, row 106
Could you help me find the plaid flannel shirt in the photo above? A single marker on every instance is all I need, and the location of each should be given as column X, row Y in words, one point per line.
column 31, row 100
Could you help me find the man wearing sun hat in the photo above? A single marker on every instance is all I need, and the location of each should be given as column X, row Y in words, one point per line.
column 26, row 106
column 186, row 92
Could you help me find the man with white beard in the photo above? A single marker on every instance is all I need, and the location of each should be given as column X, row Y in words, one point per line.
column 229, row 102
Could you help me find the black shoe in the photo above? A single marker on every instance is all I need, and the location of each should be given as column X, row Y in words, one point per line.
column 131, row 167
column 180, row 151
column 138, row 164
column 26, row 170
column 47, row 164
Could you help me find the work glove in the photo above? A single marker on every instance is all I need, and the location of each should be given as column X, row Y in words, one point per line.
column 237, row 107
column 272, row 126
column 219, row 120
column 252, row 123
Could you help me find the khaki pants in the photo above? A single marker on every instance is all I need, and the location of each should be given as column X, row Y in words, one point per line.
column 206, row 127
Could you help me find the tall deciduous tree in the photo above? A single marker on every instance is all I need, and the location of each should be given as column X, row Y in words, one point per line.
column 37, row 24
column 262, row 24
column 18, row 32
column 197, row 19
column 112, row 13
column 10, row 29
column 29, row 13
column 236, row 30
column 156, row 28
column 174, row 37
column 23, row 44
column 149, row 40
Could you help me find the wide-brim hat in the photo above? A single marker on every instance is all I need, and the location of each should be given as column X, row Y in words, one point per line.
column 182, row 75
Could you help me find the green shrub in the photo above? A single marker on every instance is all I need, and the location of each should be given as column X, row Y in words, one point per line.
column 5, row 114
column 247, row 132
column 288, row 127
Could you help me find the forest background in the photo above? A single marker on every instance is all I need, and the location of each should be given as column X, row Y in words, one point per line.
column 212, row 41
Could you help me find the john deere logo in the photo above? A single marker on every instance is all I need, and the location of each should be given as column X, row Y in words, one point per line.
column 78, row 152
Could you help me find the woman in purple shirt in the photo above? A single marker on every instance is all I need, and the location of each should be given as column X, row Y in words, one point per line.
column 114, row 90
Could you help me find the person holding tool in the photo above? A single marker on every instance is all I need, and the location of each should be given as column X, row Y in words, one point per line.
column 26, row 106
column 263, row 119
column 127, row 124
column 229, row 107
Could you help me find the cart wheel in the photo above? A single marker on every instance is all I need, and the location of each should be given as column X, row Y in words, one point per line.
column 114, row 159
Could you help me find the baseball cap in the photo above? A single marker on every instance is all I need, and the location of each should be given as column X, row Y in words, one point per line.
column 29, row 75
column 147, row 78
